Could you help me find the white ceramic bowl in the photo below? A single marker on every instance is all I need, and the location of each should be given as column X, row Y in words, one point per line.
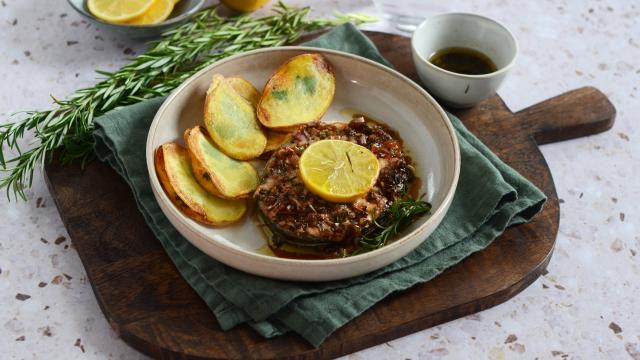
column 363, row 86
column 462, row 30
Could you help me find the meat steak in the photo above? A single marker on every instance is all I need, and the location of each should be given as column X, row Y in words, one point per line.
column 300, row 217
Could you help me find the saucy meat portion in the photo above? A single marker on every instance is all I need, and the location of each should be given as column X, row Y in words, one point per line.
column 300, row 217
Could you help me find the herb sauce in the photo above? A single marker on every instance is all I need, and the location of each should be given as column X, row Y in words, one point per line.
column 463, row 60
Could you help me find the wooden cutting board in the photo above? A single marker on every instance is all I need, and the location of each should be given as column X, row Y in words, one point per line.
column 154, row 310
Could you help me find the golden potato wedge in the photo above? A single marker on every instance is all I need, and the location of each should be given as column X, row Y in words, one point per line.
column 245, row 89
column 174, row 172
column 299, row 92
column 231, row 122
column 216, row 172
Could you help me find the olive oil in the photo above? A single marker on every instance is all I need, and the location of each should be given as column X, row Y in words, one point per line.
column 463, row 60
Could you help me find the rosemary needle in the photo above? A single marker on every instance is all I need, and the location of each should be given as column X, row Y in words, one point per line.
column 167, row 63
column 399, row 216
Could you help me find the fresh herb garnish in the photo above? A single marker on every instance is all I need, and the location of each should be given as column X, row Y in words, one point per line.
column 349, row 158
column 167, row 63
column 399, row 216
column 280, row 94
column 308, row 83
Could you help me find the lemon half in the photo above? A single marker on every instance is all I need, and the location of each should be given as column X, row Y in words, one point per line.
column 338, row 170
column 118, row 10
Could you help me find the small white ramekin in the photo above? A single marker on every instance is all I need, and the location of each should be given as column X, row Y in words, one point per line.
column 462, row 30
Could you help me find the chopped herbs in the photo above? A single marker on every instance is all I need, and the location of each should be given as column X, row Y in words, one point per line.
column 349, row 158
column 399, row 216
column 309, row 84
column 280, row 94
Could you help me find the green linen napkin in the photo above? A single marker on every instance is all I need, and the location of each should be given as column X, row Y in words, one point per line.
column 490, row 196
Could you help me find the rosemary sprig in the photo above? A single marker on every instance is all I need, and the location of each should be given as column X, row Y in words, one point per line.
column 168, row 62
column 399, row 216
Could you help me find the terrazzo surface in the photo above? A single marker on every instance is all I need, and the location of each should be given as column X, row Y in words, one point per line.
column 585, row 307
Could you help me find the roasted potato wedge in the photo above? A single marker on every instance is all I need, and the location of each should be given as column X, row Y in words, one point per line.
column 252, row 95
column 231, row 122
column 174, row 172
column 299, row 92
column 216, row 172
column 245, row 89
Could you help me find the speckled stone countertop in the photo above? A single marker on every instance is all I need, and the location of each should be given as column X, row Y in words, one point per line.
column 587, row 306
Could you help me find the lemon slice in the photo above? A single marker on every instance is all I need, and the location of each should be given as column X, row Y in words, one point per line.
column 338, row 170
column 118, row 10
column 157, row 13
column 245, row 5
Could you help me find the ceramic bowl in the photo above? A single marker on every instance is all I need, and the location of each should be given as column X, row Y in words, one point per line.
column 182, row 11
column 462, row 30
column 361, row 86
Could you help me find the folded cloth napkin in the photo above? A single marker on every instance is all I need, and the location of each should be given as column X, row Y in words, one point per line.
column 490, row 196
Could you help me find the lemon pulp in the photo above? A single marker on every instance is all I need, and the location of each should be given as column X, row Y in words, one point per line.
column 338, row 170
column 118, row 10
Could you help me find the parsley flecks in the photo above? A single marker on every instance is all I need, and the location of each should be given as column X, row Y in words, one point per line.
column 308, row 83
column 280, row 94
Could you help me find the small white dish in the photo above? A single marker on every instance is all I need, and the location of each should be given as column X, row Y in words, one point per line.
column 462, row 30
column 361, row 85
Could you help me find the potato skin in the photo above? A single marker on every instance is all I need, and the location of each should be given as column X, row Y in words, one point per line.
column 231, row 121
column 171, row 193
column 187, row 203
column 207, row 177
column 199, row 170
column 300, row 91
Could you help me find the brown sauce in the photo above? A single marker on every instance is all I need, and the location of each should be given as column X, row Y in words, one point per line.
column 463, row 60
column 387, row 128
column 414, row 188
column 285, row 250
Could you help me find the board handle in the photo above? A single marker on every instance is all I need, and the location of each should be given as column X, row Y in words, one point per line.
column 577, row 113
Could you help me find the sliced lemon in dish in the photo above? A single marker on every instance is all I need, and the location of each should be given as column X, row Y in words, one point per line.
column 338, row 170
column 245, row 5
column 157, row 13
column 118, row 10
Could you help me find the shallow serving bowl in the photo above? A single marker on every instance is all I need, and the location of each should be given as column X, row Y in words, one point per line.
column 362, row 86
column 182, row 12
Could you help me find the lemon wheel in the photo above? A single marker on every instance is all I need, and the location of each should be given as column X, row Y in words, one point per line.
column 157, row 13
column 338, row 170
column 118, row 11
column 245, row 5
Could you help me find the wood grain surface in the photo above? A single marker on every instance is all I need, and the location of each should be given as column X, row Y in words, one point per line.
column 154, row 310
